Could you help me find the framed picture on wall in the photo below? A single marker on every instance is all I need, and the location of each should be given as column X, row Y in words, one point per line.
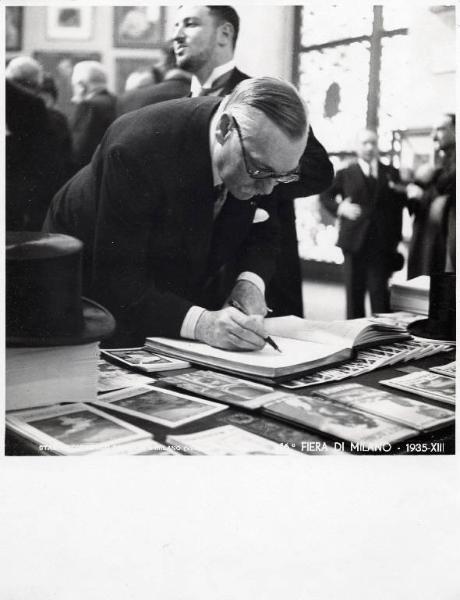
column 126, row 65
column 60, row 66
column 138, row 26
column 13, row 28
column 69, row 22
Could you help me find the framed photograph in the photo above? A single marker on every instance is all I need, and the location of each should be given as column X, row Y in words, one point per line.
column 138, row 26
column 69, row 22
column 13, row 28
column 127, row 65
column 60, row 66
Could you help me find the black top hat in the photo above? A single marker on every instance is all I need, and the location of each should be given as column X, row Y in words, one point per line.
column 44, row 306
column 440, row 324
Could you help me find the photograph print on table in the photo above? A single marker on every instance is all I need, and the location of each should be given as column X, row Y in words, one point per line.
column 158, row 405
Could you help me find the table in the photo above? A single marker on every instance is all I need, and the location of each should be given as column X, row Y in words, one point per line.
column 439, row 442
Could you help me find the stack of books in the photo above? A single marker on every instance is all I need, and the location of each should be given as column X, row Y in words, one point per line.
column 50, row 375
column 411, row 295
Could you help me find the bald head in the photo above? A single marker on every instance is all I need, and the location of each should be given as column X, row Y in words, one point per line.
column 25, row 71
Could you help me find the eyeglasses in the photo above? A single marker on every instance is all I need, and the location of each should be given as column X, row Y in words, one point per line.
column 264, row 173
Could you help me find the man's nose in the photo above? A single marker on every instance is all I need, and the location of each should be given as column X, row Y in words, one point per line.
column 178, row 33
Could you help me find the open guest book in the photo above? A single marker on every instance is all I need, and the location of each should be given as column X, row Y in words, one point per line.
column 306, row 346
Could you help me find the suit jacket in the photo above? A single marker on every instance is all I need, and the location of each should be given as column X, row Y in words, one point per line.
column 89, row 122
column 30, row 159
column 381, row 208
column 156, row 245
column 177, row 86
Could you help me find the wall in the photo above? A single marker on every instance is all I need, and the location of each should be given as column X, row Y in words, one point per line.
column 265, row 47
column 256, row 54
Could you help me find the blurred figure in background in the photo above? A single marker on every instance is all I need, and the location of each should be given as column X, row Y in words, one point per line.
column 95, row 109
column 142, row 78
column 175, row 84
column 432, row 202
column 370, row 223
column 30, row 147
column 59, row 129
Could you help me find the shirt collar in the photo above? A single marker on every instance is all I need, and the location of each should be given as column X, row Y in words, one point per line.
column 196, row 86
column 368, row 168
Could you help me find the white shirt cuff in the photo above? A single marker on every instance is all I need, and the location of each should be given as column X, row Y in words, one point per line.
column 253, row 278
column 189, row 324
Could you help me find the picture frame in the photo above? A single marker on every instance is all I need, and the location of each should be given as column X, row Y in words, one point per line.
column 126, row 65
column 138, row 26
column 13, row 28
column 60, row 66
column 69, row 22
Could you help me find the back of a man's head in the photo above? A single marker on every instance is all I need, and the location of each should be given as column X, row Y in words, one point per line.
column 276, row 99
column 90, row 72
column 226, row 14
column 25, row 71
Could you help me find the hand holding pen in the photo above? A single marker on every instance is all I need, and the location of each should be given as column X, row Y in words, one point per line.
column 268, row 339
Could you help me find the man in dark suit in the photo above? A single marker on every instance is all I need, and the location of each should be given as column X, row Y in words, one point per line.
column 204, row 42
column 370, row 221
column 161, row 233
column 95, row 109
column 31, row 149
column 176, row 84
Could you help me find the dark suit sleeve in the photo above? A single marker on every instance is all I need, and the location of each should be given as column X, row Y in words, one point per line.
column 327, row 198
column 122, row 274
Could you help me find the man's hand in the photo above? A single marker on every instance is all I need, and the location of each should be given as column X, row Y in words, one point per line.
column 230, row 329
column 247, row 295
column 414, row 191
column 349, row 210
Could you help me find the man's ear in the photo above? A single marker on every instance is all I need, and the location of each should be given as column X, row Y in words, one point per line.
column 225, row 34
column 223, row 128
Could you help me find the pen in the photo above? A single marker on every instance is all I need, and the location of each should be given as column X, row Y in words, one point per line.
column 268, row 339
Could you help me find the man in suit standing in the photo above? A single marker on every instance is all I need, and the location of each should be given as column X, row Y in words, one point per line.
column 370, row 221
column 32, row 152
column 161, row 232
column 95, row 109
column 204, row 42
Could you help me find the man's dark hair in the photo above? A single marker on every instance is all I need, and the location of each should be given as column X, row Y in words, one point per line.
column 226, row 14
column 277, row 99
column 452, row 118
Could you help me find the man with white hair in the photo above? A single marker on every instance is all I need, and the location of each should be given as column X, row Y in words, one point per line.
column 31, row 148
column 178, row 190
column 95, row 109
column 25, row 71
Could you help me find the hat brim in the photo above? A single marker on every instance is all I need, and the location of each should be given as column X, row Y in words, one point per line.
column 98, row 324
column 426, row 328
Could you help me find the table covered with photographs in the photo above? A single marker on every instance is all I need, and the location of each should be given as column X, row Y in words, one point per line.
column 217, row 414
